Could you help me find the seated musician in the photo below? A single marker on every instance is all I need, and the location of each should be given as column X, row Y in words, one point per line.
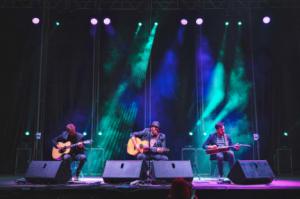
column 157, row 143
column 221, row 139
column 77, row 152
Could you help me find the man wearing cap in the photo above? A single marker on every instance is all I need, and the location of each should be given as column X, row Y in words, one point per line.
column 157, row 142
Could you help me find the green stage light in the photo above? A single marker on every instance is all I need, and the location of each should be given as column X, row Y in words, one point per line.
column 27, row 133
column 226, row 23
column 239, row 23
column 100, row 133
column 156, row 23
column 285, row 134
column 84, row 133
column 57, row 23
column 140, row 24
column 191, row 133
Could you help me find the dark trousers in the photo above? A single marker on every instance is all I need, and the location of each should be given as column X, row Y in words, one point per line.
column 225, row 156
column 78, row 157
column 143, row 156
column 148, row 172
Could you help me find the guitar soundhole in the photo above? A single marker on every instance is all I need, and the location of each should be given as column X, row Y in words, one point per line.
column 122, row 165
column 173, row 165
column 62, row 150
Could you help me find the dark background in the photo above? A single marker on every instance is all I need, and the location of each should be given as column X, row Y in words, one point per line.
column 66, row 64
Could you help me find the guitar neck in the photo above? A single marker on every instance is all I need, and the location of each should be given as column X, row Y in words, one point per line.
column 78, row 143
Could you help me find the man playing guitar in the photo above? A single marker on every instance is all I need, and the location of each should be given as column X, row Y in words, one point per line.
column 217, row 142
column 77, row 152
column 155, row 143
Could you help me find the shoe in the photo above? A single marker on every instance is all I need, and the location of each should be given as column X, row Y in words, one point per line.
column 75, row 178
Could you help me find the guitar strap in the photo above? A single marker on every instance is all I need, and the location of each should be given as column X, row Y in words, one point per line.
column 226, row 139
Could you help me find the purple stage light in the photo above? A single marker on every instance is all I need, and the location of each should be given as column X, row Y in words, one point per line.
column 106, row 21
column 199, row 21
column 266, row 20
column 35, row 20
column 183, row 22
column 94, row 21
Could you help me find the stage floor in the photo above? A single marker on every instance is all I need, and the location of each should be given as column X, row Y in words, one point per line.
column 94, row 187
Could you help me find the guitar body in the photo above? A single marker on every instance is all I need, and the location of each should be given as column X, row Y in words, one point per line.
column 223, row 149
column 133, row 150
column 218, row 150
column 65, row 148
column 57, row 153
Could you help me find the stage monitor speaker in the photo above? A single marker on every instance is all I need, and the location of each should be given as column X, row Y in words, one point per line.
column 118, row 171
column 169, row 170
column 48, row 172
column 251, row 172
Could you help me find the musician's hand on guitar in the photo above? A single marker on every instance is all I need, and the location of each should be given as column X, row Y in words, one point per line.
column 159, row 150
column 237, row 146
column 211, row 147
column 80, row 145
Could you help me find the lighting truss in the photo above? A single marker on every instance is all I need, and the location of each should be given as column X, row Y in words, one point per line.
column 150, row 4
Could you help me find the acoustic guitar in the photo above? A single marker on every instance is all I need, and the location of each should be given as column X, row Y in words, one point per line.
column 223, row 149
column 65, row 148
column 136, row 146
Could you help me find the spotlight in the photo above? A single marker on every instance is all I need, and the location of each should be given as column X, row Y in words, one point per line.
column 191, row 133
column 27, row 133
column 226, row 23
column 204, row 133
column 156, row 23
column 285, row 134
column 100, row 133
column 35, row 20
column 183, row 22
column 266, row 20
column 140, row 24
column 199, row 21
column 239, row 23
column 106, row 21
column 57, row 23
column 94, row 21
column 84, row 133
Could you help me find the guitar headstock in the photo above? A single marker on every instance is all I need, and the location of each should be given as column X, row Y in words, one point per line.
column 87, row 141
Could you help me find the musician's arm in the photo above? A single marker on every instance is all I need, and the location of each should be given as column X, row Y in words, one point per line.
column 56, row 139
column 209, row 141
column 139, row 134
column 162, row 144
column 231, row 144
column 80, row 139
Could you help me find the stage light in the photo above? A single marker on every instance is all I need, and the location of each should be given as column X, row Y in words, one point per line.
column 226, row 23
column 94, row 21
column 191, row 133
column 239, row 23
column 35, row 20
column 84, row 133
column 106, row 21
column 27, row 133
column 199, row 21
column 100, row 133
column 255, row 136
column 183, row 22
column 204, row 133
column 156, row 23
column 285, row 134
column 140, row 24
column 57, row 23
column 266, row 20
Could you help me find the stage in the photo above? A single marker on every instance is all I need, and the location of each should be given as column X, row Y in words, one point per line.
column 94, row 187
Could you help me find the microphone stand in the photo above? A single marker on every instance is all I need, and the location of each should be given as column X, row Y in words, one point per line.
column 148, row 173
